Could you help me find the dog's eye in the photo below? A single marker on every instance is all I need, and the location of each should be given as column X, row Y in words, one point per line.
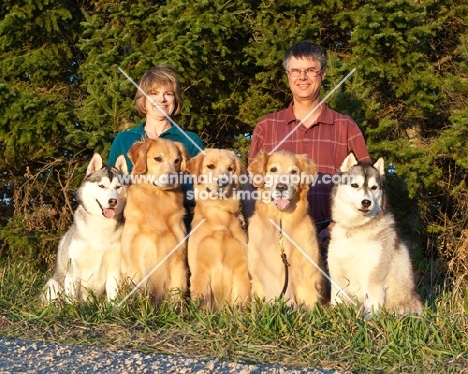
column 273, row 170
column 210, row 166
column 177, row 161
column 354, row 185
column 293, row 171
column 158, row 159
column 373, row 188
column 102, row 186
column 230, row 168
column 118, row 187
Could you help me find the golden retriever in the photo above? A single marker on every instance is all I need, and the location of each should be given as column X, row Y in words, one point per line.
column 154, row 225
column 217, row 250
column 282, row 180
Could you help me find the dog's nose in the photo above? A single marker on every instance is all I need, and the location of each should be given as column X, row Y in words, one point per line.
column 366, row 203
column 112, row 202
column 281, row 187
column 223, row 181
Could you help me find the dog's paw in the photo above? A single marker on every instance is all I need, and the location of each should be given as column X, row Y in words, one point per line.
column 370, row 310
column 51, row 292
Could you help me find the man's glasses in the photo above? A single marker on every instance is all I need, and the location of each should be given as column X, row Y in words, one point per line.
column 308, row 72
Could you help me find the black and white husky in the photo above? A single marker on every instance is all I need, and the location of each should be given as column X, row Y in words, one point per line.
column 89, row 254
column 366, row 257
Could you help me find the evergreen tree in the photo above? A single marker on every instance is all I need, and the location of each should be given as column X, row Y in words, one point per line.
column 37, row 84
column 38, row 75
column 63, row 96
column 410, row 79
column 202, row 41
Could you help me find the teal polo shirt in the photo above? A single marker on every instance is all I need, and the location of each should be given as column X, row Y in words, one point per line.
column 125, row 139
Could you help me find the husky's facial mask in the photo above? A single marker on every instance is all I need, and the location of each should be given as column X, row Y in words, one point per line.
column 102, row 191
column 362, row 185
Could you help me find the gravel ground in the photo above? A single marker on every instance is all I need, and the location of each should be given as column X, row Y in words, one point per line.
column 18, row 356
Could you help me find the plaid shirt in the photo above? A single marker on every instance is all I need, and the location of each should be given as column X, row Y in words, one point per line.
column 327, row 142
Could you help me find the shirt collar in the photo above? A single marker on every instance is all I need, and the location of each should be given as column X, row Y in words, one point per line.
column 140, row 129
column 173, row 130
column 326, row 115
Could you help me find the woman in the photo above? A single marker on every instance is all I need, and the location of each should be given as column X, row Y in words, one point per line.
column 162, row 86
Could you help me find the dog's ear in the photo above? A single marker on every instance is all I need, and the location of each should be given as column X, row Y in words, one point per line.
column 137, row 154
column 308, row 169
column 348, row 162
column 95, row 164
column 379, row 165
column 194, row 165
column 185, row 156
column 121, row 164
column 257, row 168
column 240, row 167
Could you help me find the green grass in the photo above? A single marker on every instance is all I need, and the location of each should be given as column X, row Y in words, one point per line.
column 269, row 333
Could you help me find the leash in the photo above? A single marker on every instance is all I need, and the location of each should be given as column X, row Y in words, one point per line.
column 240, row 217
column 322, row 224
column 284, row 259
column 319, row 225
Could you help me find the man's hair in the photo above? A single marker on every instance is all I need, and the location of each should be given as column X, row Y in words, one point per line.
column 160, row 76
column 306, row 49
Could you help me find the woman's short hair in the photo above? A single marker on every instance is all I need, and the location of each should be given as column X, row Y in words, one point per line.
column 155, row 78
column 306, row 49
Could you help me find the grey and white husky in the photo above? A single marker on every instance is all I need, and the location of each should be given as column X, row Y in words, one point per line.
column 89, row 254
column 367, row 259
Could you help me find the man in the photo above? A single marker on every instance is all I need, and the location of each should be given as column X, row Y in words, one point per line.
column 323, row 134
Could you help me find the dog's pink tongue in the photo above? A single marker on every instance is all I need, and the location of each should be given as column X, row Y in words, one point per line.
column 281, row 204
column 108, row 213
